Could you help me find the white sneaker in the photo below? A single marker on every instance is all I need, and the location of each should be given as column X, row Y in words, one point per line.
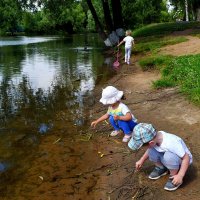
column 126, row 138
column 114, row 133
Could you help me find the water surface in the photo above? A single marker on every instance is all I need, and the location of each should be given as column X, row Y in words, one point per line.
column 44, row 80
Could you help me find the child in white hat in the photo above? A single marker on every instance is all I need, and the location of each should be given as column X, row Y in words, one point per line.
column 118, row 113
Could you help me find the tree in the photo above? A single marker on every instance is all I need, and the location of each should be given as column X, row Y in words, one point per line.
column 196, row 9
column 10, row 15
column 107, row 16
column 191, row 8
column 96, row 19
column 141, row 12
column 117, row 14
column 112, row 23
column 186, row 11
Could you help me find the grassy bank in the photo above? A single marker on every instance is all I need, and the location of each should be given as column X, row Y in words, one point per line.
column 153, row 44
column 165, row 28
column 183, row 71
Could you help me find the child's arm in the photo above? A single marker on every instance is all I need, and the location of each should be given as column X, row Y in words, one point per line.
column 102, row 118
column 120, row 43
column 178, row 178
column 140, row 162
column 126, row 117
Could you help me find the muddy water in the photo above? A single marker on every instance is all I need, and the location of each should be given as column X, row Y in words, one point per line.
column 46, row 91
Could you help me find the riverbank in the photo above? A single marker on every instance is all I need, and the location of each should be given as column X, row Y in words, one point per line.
column 90, row 165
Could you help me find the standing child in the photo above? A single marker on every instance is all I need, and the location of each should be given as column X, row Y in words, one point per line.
column 118, row 113
column 129, row 42
column 167, row 151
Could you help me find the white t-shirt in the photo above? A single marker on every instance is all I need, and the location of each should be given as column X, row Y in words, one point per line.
column 121, row 110
column 174, row 144
column 128, row 41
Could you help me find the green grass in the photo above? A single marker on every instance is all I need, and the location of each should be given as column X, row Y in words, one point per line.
column 197, row 35
column 154, row 62
column 154, row 44
column 183, row 71
column 164, row 28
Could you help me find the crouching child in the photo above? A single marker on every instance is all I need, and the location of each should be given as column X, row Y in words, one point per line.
column 118, row 113
column 167, row 151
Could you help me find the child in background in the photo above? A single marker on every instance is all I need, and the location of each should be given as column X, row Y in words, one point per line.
column 118, row 113
column 129, row 42
column 167, row 151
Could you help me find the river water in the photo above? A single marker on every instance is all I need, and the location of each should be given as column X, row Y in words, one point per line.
column 43, row 79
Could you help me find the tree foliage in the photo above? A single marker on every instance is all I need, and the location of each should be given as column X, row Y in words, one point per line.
column 51, row 16
column 10, row 15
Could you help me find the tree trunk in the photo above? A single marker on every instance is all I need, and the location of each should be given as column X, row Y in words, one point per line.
column 96, row 19
column 198, row 14
column 186, row 11
column 107, row 16
column 117, row 14
column 193, row 12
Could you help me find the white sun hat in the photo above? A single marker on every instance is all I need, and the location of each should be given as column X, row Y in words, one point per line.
column 110, row 95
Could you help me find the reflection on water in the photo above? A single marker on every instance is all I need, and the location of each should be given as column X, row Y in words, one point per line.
column 21, row 40
column 43, row 79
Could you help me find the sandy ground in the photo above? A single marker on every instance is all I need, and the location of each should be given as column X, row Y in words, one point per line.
column 95, row 166
column 192, row 46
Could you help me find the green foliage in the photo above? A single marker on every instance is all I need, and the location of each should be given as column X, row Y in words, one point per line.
column 67, row 15
column 10, row 15
column 37, row 22
column 164, row 28
column 142, row 12
column 99, row 10
column 90, row 25
column 78, row 16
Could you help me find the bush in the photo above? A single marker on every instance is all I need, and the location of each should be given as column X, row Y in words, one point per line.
column 164, row 28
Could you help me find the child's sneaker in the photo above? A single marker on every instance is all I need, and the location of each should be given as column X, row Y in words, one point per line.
column 170, row 186
column 114, row 133
column 158, row 172
column 126, row 138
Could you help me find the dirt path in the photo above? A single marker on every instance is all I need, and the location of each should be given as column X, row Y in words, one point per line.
column 192, row 46
column 95, row 166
